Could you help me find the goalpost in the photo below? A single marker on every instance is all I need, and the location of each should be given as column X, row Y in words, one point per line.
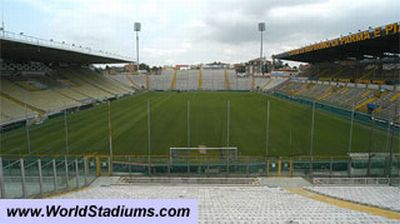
column 220, row 153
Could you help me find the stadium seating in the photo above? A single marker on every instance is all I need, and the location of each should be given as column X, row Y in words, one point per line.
column 213, row 79
column 45, row 100
column 261, row 82
column 345, row 96
column 160, row 82
column 12, row 112
column 102, row 82
column 273, row 82
column 187, row 80
column 383, row 197
column 45, row 91
column 234, row 204
column 389, row 111
column 231, row 79
column 140, row 80
column 133, row 81
column 81, row 85
column 244, row 83
column 384, row 71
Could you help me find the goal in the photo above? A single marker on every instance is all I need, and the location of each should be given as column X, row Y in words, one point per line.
column 203, row 152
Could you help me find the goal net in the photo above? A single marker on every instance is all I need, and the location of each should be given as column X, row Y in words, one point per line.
column 203, row 152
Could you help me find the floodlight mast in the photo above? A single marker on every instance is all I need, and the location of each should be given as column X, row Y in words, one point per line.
column 2, row 17
column 261, row 28
column 137, row 28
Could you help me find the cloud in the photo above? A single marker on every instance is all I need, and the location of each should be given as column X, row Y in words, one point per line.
column 207, row 30
column 291, row 24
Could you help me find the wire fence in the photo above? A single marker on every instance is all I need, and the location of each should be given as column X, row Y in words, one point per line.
column 30, row 177
column 258, row 166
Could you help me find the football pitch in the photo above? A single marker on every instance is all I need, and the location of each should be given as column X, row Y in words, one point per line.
column 207, row 124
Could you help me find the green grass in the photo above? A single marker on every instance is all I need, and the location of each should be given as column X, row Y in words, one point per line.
column 290, row 126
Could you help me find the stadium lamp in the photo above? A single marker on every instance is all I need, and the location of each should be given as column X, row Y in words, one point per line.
column 261, row 28
column 137, row 28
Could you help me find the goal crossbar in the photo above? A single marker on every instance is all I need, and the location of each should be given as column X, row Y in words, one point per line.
column 201, row 148
column 179, row 152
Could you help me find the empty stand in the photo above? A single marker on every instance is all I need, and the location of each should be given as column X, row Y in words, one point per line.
column 213, row 79
column 346, row 96
column 233, row 203
column 13, row 112
column 384, row 197
column 187, row 80
column 34, row 89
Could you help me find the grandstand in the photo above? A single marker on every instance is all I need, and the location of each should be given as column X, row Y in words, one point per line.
column 213, row 80
column 354, row 75
column 367, row 71
column 379, row 196
column 36, row 90
column 187, row 80
column 160, row 82
column 240, row 202
column 55, row 89
column 198, row 79
column 13, row 112
column 346, row 96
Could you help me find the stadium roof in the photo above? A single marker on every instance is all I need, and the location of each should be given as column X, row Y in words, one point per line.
column 373, row 42
column 20, row 47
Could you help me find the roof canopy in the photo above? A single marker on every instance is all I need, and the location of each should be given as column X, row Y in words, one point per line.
column 374, row 42
column 24, row 48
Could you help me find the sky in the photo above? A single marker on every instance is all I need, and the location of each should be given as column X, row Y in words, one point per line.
column 195, row 31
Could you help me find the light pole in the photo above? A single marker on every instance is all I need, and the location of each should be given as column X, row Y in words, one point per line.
column 2, row 17
column 137, row 27
column 261, row 28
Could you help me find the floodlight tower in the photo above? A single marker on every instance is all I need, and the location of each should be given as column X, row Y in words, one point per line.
column 2, row 17
column 261, row 28
column 137, row 27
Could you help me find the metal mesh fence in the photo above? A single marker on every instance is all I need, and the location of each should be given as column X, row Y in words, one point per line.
column 38, row 176
column 32, row 177
column 257, row 166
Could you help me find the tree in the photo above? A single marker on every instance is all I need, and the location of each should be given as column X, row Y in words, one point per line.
column 143, row 66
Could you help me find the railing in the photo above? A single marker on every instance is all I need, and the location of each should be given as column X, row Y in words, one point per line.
column 33, row 177
column 255, row 166
column 38, row 176
column 21, row 37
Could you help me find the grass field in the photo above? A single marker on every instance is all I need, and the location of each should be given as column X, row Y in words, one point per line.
column 290, row 126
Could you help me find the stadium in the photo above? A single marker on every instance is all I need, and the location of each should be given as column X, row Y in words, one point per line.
column 325, row 137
